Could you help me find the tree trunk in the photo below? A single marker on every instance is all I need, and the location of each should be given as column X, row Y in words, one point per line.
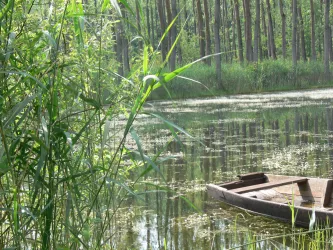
column 125, row 45
column 294, row 33
column 298, row 42
column 330, row 45
column 260, row 48
column 194, row 21
column 185, row 17
column 138, row 22
column 248, row 31
column 321, row 24
column 171, row 13
column 217, row 23
column 175, row 11
column 302, row 38
column 256, row 32
column 164, row 43
column 224, row 28
column 152, row 39
column 313, row 33
column 200, row 29
column 148, row 19
column 169, row 20
column 208, row 42
column 156, row 20
column 271, row 31
column 239, row 32
column 119, row 49
column 327, row 40
column 264, row 27
column 126, row 56
column 234, row 48
column 284, row 41
column 225, row 24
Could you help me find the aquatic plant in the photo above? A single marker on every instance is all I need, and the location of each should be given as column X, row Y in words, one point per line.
column 66, row 116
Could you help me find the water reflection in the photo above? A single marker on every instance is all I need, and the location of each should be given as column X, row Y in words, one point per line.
column 282, row 134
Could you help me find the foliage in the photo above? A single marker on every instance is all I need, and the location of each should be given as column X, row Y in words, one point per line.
column 189, row 47
column 66, row 120
column 267, row 75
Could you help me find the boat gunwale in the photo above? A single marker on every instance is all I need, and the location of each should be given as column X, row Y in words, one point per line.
column 321, row 212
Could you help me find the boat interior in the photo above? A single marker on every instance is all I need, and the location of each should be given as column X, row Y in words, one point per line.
column 300, row 191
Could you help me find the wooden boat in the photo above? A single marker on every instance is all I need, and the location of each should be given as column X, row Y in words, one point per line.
column 273, row 196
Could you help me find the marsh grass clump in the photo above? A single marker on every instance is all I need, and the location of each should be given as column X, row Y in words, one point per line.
column 320, row 238
column 66, row 116
column 267, row 75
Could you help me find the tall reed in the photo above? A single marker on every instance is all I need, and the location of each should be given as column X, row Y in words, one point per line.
column 66, row 120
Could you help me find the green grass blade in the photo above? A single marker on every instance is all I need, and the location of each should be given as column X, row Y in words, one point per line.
column 145, row 60
column 75, row 10
column 192, row 80
column 174, row 134
column 83, row 129
column 166, row 32
column 76, row 235
column 15, row 213
column 138, row 143
column 174, row 126
column 177, row 38
column 68, row 208
column 50, row 39
column 105, row 5
column 4, row 11
column 90, row 101
column 149, row 166
column 40, row 164
column 125, row 3
column 4, row 166
column 74, row 176
column 106, row 132
column 17, row 109
column 116, row 6
column 166, row 189
column 167, row 77
column 140, row 99
column 25, row 74
column 123, row 185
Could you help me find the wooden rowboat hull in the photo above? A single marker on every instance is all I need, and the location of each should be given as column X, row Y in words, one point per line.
column 274, row 195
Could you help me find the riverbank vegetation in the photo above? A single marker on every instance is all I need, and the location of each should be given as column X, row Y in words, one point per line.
column 259, row 45
column 265, row 76
column 68, row 139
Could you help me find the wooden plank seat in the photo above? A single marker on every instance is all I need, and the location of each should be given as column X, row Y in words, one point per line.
column 245, row 180
column 251, row 176
column 268, row 185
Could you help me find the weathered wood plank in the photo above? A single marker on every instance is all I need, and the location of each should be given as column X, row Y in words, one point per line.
column 250, row 176
column 268, row 185
column 326, row 198
column 242, row 183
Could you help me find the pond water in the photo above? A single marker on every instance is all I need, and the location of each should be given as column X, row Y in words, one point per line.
column 282, row 133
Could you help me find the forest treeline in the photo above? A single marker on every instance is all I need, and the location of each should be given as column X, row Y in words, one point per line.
column 244, row 31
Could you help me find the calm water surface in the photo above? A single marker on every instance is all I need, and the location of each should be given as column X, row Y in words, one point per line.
column 282, row 133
